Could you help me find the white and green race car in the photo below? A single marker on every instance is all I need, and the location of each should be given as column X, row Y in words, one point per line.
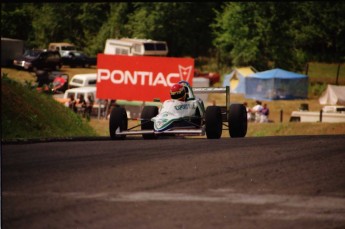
column 184, row 118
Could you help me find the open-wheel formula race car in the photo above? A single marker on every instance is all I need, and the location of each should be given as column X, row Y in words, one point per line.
column 187, row 118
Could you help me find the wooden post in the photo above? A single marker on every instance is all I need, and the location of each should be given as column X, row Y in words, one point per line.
column 281, row 116
column 338, row 71
column 321, row 115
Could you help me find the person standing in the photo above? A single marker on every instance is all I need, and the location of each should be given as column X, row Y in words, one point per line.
column 72, row 104
column 264, row 113
column 257, row 111
column 89, row 106
column 249, row 112
column 82, row 102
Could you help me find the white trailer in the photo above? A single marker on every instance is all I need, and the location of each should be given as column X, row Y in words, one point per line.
column 135, row 47
column 10, row 49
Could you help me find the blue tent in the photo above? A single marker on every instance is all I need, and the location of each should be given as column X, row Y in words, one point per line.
column 276, row 84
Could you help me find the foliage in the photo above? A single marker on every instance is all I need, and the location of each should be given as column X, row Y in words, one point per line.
column 30, row 114
column 261, row 34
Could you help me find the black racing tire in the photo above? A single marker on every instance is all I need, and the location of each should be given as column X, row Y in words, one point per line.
column 118, row 119
column 237, row 121
column 147, row 113
column 213, row 122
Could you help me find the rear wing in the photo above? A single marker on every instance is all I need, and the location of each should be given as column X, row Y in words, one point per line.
column 210, row 90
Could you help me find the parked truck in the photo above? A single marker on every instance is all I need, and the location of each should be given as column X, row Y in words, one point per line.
column 62, row 47
column 10, row 49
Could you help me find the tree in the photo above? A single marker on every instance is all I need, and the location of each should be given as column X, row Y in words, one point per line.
column 320, row 30
column 284, row 35
column 240, row 34
column 184, row 25
column 261, row 34
column 112, row 27
column 12, row 17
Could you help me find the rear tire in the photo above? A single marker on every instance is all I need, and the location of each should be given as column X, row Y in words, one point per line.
column 213, row 121
column 147, row 113
column 237, row 121
column 118, row 119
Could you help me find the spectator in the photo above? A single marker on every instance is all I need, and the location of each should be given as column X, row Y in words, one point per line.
column 89, row 106
column 257, row 111
column 82, row 102
column 264, row 113
column 110, row 104
column 249, row 112
column 72, row 104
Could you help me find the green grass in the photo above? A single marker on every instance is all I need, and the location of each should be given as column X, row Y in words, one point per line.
column 320, row 71
column 27, row 113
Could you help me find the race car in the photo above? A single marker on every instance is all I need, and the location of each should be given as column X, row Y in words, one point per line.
column 183, row 118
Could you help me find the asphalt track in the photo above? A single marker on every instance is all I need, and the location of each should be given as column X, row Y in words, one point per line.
column 261, row 182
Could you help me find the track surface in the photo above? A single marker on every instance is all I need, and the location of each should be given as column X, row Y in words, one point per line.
column 268, row 182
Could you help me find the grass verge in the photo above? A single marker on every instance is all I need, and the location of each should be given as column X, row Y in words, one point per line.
column 27, row 113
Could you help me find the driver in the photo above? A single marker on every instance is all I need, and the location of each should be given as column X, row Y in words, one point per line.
column 178, row 92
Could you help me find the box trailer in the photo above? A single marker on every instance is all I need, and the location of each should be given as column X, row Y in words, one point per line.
column 135, row 47
column 10, row 49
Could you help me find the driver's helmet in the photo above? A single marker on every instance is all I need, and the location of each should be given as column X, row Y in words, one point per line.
column 178, row 92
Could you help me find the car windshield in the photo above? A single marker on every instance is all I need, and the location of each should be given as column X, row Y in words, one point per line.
column 67, row 48
column 33, row 53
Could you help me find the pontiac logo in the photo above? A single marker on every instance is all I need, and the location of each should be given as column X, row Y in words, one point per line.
column 144, row 77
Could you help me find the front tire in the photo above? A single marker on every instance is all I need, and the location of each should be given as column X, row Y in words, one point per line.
column 237, row 121
column 213, row 121
column 118, row 121
column 147, row 113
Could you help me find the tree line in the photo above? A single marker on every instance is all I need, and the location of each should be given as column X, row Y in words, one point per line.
column 261, row 34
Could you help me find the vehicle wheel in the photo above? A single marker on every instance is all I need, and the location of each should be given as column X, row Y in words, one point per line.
column 118, row 119
column 213, row 121
column 237, row 121
column 147, row 113
column 33, row 69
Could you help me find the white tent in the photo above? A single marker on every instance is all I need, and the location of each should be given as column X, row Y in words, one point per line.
column 333, row 95
column 236, row 79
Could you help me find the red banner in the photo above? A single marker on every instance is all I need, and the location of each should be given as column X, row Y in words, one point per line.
column 141, row 78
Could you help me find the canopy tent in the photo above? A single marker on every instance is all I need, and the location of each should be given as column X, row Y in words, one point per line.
column 333, row 95
column 276, row 84
column 236, row 79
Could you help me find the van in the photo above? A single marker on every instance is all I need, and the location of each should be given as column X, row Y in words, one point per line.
column 135, row 47
column 85, row 91
column 98, row 106
column 62, row 47
column 83, row 80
